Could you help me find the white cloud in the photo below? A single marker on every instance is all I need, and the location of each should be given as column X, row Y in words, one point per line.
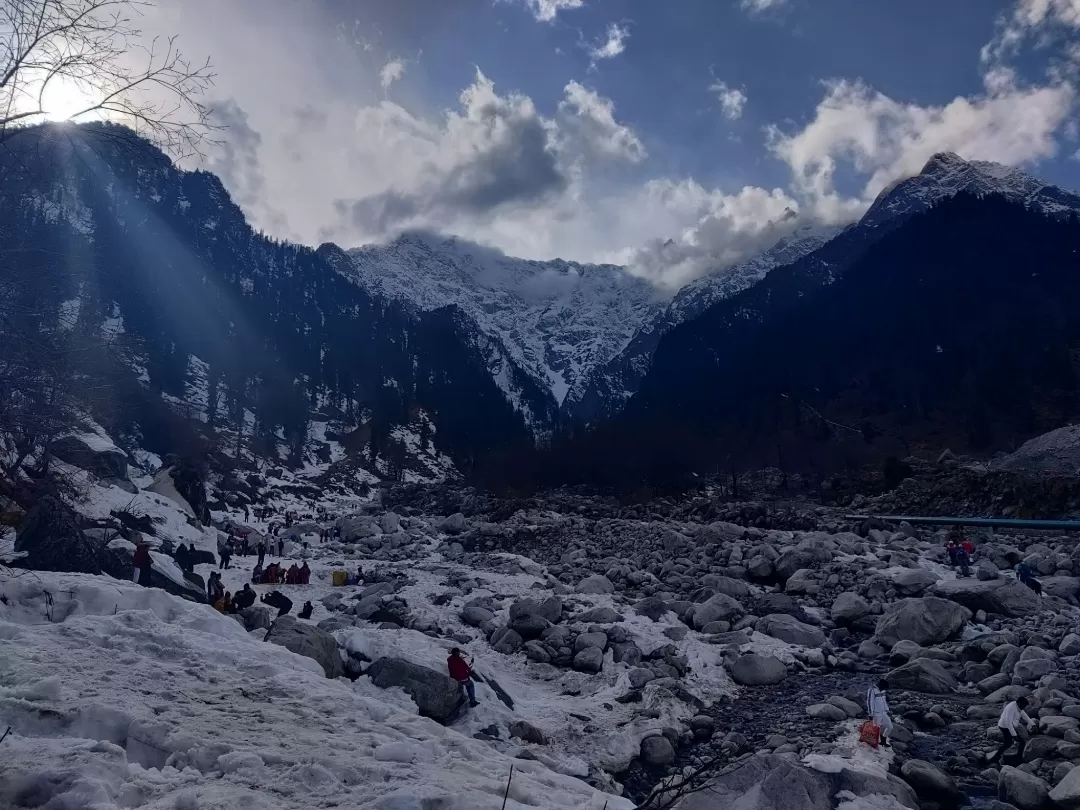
column 732, row 100
column 391, row 72
column 548, row 10
column 587, row 120
column 884, row 140
column 759, row 6
column 1030, row 18
column 613, row 44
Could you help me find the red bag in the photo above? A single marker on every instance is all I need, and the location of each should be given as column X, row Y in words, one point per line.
column 870, row 733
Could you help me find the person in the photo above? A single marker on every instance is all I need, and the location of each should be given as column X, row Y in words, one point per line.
column 214, row 589
column 247, row 513
column 227, row 603
column 963, row 561
column 461, row 672
column 262, row 551
column 1008, row 724
column 219, row 604
column 1027, row 576
column 305, row 613
column 244, row 598
column 279, row 600
column 281, row 547
column 245, row 547
column 140, row 563
column 256, row 574
column 877, row 706
column 951, row 549
column 226, row 554
column 305, row 574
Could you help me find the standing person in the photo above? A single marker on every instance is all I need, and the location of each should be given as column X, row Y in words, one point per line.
column 305, row 574
column 963, row 561
column 877, row 706
column 140, row 563
column 1027, row 576
column 461, row 671
column 226, row 554
column 1009, row 724
column 281, row 547
column 262, row 551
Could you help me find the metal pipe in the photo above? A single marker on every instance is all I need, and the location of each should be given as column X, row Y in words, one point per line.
column 1002, row 523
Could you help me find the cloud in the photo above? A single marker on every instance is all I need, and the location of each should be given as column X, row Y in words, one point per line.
column 587, row 123
column 236, row 160
column 613, row 45
column 884, row 140
column 761, row 6
column 391, row 72
column 495, row 153
column 548, row 10
column 732, row 100
column 1044, row 19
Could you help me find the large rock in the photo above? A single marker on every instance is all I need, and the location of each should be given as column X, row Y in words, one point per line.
column 1067, row 792
column 1021, row 789
column 595, row 584
column 925, row 621
column 186, row 479
column 758, row 670
column 308, row 640
column 720, row 607
column 455, row 524
column 1007, row 597
column 657, row 751
column 764, row 782
column 912, row 581
column 529, row 626
column 848, row 608
column 436, row 695
column 929, row 780
column 923, row 675
column 53, row 541
column 652, row 607
column 590, row 659
column 107, row 463
column 788, row 628
column 550, row 609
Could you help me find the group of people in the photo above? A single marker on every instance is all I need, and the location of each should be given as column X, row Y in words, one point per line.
column 225, row 602
column 275, row 574
column 960, row 551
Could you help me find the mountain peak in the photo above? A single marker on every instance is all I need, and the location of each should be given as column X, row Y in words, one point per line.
column 943, row 163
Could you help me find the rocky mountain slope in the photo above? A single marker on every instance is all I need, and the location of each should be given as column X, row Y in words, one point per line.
column 554, row 321
column 607, row 389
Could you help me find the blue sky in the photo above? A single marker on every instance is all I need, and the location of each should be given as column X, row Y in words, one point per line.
column 602, row 129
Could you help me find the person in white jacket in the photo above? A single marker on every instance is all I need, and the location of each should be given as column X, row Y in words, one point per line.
column 877, row 706
column 1009, row 723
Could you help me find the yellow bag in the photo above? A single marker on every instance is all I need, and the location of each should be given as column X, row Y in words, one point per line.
column 337, row 578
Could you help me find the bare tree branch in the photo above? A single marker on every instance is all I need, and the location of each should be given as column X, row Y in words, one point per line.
column 90, row 52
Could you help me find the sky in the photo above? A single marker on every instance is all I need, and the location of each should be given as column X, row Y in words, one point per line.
column 674, row 136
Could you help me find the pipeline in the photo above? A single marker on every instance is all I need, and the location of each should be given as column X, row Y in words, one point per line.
column 994, row 523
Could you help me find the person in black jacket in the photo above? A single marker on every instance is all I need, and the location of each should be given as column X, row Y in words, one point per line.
column 279, row 600
column 244, row 598
column 305, row 612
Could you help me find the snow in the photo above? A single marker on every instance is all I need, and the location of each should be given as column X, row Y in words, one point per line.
column 171, row 705
column 555, row 320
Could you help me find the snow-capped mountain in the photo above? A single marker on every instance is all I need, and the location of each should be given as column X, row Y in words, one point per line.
column 554, row 321
column 946, row 174
column 605, row 391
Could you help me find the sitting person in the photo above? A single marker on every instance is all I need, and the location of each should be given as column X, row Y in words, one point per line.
column 245, row 598
column 279, row 600
column 256, row 574
column 305, row 612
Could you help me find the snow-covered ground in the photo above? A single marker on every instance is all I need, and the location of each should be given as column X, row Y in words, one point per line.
column 121, row 696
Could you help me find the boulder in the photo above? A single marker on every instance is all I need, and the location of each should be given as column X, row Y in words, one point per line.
column 537, row 652
column 911, row 581
column 183, row 481
column 529, row 626
column 595, row 584
column 720, row 607
column 389, row 522
column 764, row 782
column 1070, row 645
column 826, row 711
column 53, row 541
column 928, row 620
column 475, row 615
column 590, row 659
column 657, row 751
column 436, row 695
column 308, row 640
column 107, row 463
column 256, row 617
column 929, row 781
column 586, row 640
column 848, row 608
column 922, row 675
column 455, row 524
column 789, row 629
column 506, row 641
column 758, row 670
column 652, row 607
column 1067, row 792
column 1022, row 789
column 1006, row 597
column 550, row 609
column 527, row 732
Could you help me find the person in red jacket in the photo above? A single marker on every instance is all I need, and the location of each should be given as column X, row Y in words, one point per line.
column 140, row 562
column 461, row 672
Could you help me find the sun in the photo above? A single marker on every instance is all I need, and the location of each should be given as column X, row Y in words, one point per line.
column 65, row 98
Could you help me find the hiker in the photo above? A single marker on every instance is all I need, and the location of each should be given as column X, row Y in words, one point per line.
column 140, row 563
column 226, row 555
column 1027, row 576
column 269, row 575
column 877, row 706
column 292, row 576
column 305, row 574
column 951, row 549
column 244, row 598
column 1009, row 723
column 262, row 551
column 256, row 574
column 245, row 549
column 963, row 561
column 281, row 547
column 214, row 589
column 279, row 600
column 461, row 672
column 306, row 612
column 247, row 513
